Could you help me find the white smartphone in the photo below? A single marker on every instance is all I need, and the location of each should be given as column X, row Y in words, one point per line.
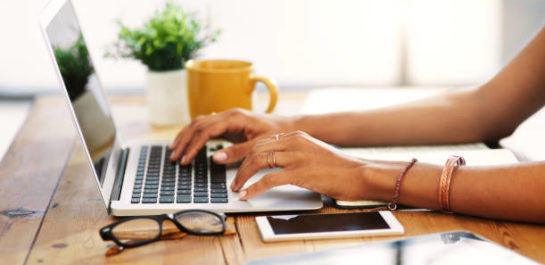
column 314, row 226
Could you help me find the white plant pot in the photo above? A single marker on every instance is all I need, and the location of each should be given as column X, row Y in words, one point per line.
column 167, row 97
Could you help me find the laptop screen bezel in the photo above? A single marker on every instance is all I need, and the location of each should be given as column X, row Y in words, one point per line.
column 46, row 17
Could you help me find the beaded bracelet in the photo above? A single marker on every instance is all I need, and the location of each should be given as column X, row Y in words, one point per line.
column 392, row 206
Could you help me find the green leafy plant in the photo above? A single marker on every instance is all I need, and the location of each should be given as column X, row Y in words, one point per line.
column 75, row 66
column 166, row 41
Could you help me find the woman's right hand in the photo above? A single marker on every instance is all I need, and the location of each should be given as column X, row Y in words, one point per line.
column 239, row 126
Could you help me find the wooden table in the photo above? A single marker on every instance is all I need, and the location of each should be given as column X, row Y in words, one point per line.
column 50, row 211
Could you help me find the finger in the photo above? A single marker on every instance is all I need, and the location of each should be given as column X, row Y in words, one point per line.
column 267, row 145
column 188, row 135
column 195, row 122
column 255, row 162
column 275, row 137
column 174, row 143
column 201, row 135
column 179, row 143
column 237, row 152
column 268, row 182
column 233, row 153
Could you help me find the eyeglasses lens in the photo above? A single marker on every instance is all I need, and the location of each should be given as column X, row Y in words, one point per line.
column 136, row 231
column 200, row 222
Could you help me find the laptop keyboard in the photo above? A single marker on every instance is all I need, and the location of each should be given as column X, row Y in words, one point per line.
column 158, row 180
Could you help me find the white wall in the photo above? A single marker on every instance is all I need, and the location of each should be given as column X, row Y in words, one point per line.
column 453, row 42
column 301, row 43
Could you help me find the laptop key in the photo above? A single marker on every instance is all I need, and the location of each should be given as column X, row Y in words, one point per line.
column 135, row 200
column 200, row 200
column 218, row 185
column 218, row 200
column 200, row 189
column 218, row 195
column 184, row 192
column 200, row 194
column 166, row 199
column 183, row 199
column 167, row 193
column 150, row 195
column 149, row 200
column 184, row 175
column 217, row 172
column 218, row 191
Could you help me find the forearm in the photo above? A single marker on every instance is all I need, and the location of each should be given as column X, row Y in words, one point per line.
column 512, row 192
column 450, row 118
column 491, row 112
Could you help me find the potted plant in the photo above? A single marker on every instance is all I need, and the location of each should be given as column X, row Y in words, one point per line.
column 164, row 43
column 76, row 70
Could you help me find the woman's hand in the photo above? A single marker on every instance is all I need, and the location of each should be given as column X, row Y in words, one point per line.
column 237, row 125
column 306, row 162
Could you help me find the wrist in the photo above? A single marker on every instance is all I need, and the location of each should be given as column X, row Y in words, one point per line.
column 289, row 124
column 379, row 180
column 302, row 123
column 419, row 186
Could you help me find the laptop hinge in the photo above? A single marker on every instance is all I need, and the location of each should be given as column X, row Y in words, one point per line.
column 118, row 183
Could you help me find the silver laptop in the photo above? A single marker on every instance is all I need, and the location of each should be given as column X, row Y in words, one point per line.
column 137, row 178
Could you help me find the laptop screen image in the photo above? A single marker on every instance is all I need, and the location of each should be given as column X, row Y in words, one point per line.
column 86, row 96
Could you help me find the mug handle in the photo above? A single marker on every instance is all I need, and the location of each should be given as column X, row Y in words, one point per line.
column 273, row 91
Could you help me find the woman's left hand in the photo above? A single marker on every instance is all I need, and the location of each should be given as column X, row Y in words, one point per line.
column 306, row 162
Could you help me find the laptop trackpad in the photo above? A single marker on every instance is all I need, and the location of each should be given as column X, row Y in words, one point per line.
column 281, row 196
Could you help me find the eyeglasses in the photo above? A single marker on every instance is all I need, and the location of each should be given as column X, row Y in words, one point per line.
column 140, row 230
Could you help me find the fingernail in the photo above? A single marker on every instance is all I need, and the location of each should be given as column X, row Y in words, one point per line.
column 172, row 156
column 183, row 160
column 233, row 186
column 242, row 195
column 220, row 156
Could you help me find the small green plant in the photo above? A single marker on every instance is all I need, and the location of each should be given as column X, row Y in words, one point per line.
column 75, row 66
column 166, row 41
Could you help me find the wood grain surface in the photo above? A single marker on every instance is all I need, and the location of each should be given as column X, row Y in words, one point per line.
column 29, row 174
column 51, row 211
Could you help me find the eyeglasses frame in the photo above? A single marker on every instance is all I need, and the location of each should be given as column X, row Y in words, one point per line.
column 106, row 233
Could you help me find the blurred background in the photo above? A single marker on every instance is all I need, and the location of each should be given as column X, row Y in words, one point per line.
column 303, row 44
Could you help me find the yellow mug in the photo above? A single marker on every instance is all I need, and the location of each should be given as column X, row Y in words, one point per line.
column 218, row 85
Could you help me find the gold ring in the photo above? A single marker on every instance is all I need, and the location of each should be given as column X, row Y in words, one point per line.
column 271, row 161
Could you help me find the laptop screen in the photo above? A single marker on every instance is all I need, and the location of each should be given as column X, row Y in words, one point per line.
column 83, row 87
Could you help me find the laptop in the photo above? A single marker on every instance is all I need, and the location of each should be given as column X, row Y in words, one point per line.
column 137, row 178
